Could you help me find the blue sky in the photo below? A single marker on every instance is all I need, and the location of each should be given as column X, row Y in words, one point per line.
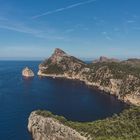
column 31, row 29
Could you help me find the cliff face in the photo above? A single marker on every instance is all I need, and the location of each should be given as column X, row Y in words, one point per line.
column 48, row 128
column 117, row 78
column 45, row 126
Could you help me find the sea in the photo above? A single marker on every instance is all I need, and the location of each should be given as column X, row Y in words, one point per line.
column 71, row 99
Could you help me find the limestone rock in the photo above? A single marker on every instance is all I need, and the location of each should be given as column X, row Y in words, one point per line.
column 27, row 72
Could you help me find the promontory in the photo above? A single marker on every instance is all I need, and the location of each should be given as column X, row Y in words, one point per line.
column 120, row 78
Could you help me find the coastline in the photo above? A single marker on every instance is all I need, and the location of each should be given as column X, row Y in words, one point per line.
column 112, row 128
column 130, row 100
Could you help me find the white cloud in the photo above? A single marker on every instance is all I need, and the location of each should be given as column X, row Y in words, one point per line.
column 62, row 9
column 3, row 19
column 131, row 21
column 136, row 28
column 108, row 38
column 69, row 30
column 104, row 33
column 18, row 27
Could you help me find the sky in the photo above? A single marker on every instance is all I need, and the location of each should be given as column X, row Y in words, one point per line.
column 32, row 29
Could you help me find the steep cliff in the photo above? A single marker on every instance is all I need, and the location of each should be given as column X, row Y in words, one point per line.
column 48, row 128
column 60, row 62
column 118, row 78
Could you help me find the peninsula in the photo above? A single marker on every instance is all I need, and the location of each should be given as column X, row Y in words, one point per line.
column 120, row 78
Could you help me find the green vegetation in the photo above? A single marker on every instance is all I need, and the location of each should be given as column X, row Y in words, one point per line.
column 119, row 70
column 125, row 126
column 54, row 69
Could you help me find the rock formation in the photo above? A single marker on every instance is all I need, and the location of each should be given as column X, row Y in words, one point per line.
column 44, row 125
column 117, row 78
column 48, row 128
column 27, row 72
column 60, row 62
column 105, row 59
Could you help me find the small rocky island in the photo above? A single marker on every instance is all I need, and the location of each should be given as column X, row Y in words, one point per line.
column 26, row 72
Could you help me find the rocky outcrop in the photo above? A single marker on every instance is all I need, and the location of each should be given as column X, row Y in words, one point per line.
column 27, row 72
column 117, row 78
column 49, row 128
column 105, row 59
column 60, row 62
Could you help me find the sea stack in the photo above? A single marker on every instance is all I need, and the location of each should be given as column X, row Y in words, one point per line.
column 27, row 72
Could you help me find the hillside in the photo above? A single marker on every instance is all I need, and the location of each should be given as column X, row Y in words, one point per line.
column 121, row 79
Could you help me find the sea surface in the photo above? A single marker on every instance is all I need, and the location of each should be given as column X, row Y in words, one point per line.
column 72, row 99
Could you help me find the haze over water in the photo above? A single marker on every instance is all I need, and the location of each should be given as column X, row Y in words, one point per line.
column 72, row 99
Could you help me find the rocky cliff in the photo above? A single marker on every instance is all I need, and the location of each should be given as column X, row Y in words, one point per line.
column 48, row 128
column 118, row 78
column 43, row 125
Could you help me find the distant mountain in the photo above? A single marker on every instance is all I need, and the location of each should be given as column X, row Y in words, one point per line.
column 60, row 62
column 105, row 59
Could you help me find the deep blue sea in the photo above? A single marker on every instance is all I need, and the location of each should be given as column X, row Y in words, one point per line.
column 72, row 99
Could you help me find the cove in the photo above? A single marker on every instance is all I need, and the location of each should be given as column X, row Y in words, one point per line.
column 71, row 99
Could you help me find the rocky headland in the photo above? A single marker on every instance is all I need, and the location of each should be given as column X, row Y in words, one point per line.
column 119, row 78
column 43, row 125
column 46, row 127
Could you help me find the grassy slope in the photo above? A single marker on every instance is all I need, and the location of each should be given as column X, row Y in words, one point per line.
column 125, row 126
